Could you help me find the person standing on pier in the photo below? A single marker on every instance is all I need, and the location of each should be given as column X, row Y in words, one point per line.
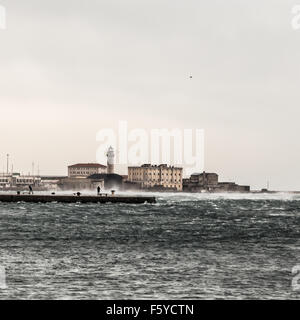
column 98, row 190
column 30, row 190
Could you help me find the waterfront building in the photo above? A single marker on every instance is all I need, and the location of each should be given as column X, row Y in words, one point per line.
column 111, row 180
column 78, row 184
column 231, row 187
column 15, row 180
column 154, row 177
column 27, row 180
column 209, row 182
column 84, row 170
column 5, row 180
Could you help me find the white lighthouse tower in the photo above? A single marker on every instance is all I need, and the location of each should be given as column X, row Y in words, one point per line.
column 110, row 160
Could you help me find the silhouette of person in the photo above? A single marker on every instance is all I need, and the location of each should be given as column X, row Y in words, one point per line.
column 98, row 190
column 30, row 190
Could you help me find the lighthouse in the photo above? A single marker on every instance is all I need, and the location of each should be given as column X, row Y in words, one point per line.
column 110, row 160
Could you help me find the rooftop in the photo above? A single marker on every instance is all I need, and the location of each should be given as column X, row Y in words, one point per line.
column 200, row 174
column 154, row 166
column 87, row 165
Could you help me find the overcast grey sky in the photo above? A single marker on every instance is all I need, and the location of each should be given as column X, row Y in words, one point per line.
column 70, row 67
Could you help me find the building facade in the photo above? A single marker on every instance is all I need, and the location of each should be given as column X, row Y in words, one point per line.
column 156, row 177
column 231, row 187
column 16, row 180
column 209, row 182
column 77, row 184
column 5, row 181
column 84, row 170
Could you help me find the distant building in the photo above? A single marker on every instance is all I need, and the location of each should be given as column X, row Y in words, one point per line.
column 15, row 180
column 210, row 180
column 110, row 180
column 231, row 187
column 84, row 170
column 27, row 180
column 5, row 180
column 77, row 184
column 160, row 177
column 200, row 182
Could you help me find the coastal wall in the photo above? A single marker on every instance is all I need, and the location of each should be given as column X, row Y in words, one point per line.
column 75, row 199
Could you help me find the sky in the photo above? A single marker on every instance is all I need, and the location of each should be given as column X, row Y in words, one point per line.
column 70, row 68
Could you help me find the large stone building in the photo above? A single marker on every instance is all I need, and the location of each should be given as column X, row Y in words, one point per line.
column 156, row 177
column 209, row 182
column 84, row 170
column 85, row 176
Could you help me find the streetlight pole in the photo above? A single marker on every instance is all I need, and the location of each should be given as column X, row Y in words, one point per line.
column 7, row 164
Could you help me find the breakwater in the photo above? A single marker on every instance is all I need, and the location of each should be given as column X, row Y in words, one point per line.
column 75, row 199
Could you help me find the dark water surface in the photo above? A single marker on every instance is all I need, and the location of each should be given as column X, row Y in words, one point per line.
column 185, row 246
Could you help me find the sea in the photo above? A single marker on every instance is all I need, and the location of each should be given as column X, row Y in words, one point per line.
column 186, row 246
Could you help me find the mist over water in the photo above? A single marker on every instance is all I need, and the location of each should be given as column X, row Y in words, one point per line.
column 186, row 246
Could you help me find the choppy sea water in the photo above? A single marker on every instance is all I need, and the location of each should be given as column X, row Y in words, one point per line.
column 187, row 246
